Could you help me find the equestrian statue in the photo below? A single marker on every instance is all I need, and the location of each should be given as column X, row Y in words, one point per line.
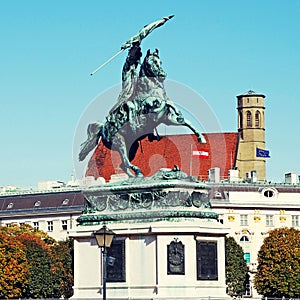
column 142, row 105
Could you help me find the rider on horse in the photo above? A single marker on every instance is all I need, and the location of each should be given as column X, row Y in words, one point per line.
column 122, row 111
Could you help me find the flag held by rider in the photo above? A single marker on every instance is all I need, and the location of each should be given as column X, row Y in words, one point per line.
column 146, row 30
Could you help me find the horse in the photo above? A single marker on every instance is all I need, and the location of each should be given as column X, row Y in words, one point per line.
column 137, row 117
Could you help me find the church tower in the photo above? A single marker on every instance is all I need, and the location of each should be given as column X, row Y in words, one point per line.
column 251, row 128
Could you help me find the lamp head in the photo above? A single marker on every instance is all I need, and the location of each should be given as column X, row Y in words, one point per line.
column 104, row 237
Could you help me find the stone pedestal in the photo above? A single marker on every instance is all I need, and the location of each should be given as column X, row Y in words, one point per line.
column 168, row 243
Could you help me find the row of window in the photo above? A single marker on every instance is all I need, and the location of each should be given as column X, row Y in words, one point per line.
column 249, row 119
column 64, row 225
column 269, row 220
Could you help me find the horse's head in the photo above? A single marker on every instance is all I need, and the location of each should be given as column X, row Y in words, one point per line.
column 151, row 66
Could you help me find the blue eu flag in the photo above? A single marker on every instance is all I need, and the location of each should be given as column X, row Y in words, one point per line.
column 262, row 153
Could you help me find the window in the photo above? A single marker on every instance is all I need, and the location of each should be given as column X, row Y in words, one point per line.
column 295, row 221
column 241, row 120
column 257, row 119
column 207, row 260
column 221, row 219
column 65, row 201
column 37, row 203
column 247, row 257
column 50, row 225
column 249, row 119
column 269, row 220
column 64, row 225
column 268, row 193
column 10, row 205
column 244, row 220
column 36, row 225
column 244, row 238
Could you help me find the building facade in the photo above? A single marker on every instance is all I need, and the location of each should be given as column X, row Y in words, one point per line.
column 53, row 211
column 248, row 211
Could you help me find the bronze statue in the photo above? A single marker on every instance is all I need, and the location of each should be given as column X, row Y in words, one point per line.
column 142, row 105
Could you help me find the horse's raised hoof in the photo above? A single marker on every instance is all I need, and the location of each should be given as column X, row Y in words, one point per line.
column 201, row 139
column 180, row 120
column 139, row 174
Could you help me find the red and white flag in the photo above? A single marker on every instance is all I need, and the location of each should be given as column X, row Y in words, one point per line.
column 201, row 153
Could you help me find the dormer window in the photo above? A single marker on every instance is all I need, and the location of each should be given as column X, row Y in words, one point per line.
column 37, row 203
column 268, row 192
column 10, row 205
column 65, row 201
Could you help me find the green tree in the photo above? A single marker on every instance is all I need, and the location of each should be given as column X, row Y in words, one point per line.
column 13, row 267
column 235, row 267
column 62, row 268
column 40, row 282
column 278, row 271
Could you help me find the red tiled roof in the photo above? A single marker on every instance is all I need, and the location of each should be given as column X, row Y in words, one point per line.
column 170, row 150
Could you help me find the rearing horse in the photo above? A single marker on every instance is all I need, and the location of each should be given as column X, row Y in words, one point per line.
column 135, row 118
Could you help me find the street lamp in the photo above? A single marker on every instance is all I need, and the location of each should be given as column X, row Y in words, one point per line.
column 104, row 237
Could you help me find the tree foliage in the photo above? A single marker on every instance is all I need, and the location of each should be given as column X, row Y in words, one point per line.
column 16, row 230
column 13, row 267
column 235, row 267
column 34, row 265
column 278, row 272
column 39, row 263
column 62, row 268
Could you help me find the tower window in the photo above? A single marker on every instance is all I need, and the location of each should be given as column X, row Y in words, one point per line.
column 249, row 119
column 257, row 119
column 241, row 120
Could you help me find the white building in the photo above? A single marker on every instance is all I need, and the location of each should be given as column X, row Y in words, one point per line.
column 248, row 211
column 53, row 211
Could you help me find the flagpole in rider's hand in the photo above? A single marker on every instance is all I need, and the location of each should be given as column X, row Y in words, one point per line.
column 136, row 39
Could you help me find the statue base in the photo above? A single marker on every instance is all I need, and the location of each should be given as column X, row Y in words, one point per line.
column 168, row 244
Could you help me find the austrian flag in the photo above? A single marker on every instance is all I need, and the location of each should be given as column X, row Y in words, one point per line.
column 201, row 153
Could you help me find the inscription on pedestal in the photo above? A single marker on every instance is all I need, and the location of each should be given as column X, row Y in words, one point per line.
column 116, row 262
column 207, row 261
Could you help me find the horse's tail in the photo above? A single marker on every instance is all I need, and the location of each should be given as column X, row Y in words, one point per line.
column 94, row 132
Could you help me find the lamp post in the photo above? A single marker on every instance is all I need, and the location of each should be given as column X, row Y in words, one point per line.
column 104, row 237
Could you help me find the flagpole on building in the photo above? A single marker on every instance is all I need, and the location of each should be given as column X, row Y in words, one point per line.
column 191, row 159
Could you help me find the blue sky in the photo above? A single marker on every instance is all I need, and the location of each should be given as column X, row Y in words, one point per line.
column 220, row 49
